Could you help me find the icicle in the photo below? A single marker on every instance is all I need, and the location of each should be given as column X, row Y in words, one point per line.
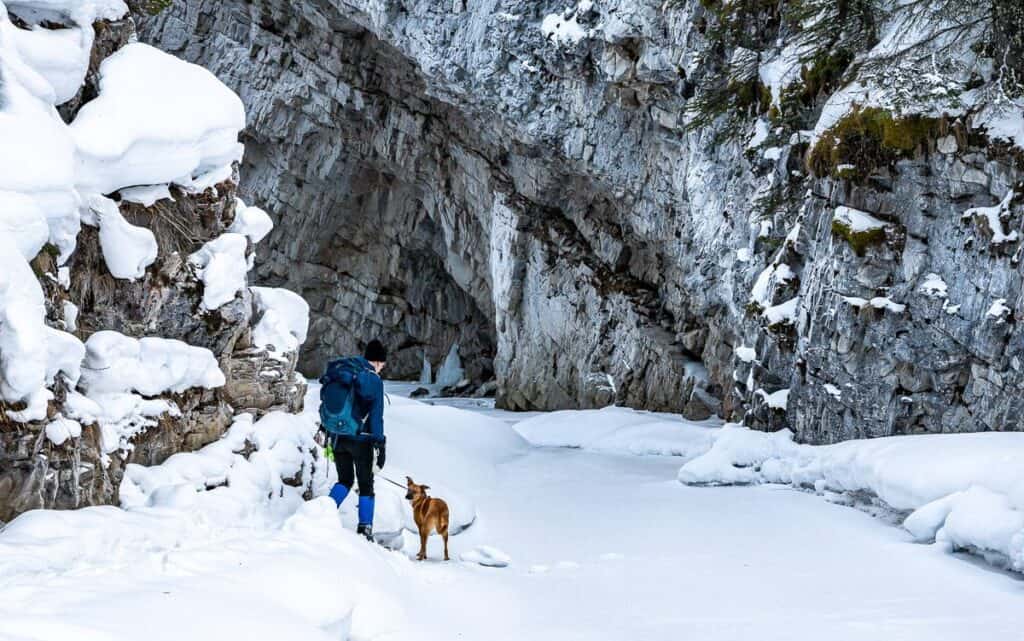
column 426, row 374
column 451, row 371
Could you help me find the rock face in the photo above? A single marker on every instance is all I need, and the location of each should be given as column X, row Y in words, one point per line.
column 35, row 472
column 637, row 202
column 38, row 470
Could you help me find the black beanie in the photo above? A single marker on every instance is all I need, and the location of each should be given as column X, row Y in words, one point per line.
column 375, row 352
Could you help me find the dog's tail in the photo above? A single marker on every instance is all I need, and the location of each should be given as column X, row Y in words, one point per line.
column 442, row 520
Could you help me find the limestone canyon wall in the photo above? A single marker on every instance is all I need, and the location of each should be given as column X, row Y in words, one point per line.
column 766, row 211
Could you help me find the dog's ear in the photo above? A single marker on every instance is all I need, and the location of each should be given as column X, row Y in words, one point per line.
column 408, row 480
column 424, row 487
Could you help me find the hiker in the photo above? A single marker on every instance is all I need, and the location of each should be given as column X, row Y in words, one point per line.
column 352, row 417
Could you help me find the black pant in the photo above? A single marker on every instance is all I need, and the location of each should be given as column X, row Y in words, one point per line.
column 349, row 454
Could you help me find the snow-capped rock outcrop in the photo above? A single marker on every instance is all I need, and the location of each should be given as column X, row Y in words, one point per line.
column 583, row 195
column 119, row 162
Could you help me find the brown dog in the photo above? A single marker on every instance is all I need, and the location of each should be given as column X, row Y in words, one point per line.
column 430, row 514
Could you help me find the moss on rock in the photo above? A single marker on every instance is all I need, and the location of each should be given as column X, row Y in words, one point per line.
column 152, row 7
column 858, row 240
column 45, row 261
column 867, row 139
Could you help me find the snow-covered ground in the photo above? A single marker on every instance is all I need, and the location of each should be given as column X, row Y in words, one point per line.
column 601, row 539
column 960, row 491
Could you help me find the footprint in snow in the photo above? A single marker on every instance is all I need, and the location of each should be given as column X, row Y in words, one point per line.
column 561, row 565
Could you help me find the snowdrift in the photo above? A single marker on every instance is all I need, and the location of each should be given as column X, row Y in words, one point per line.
column 963, row 491
column 225, row 535
column 618, row 429
column 303, row 577
column 283, row 318
column 222, row 267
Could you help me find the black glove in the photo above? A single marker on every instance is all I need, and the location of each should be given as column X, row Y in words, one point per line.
column 379, row 451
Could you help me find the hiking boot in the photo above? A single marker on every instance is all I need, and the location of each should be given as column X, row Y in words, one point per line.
column 366, row 530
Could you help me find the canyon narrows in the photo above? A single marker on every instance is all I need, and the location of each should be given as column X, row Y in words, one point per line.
column 639, row 202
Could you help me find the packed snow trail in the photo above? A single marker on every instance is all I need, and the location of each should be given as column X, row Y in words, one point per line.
column 612, row 547
column 603, row 546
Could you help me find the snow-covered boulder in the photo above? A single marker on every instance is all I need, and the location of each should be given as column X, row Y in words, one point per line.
column 151, row 366
column 251, row 222
column 157, row 119
column 222, row 267
column 283, row 319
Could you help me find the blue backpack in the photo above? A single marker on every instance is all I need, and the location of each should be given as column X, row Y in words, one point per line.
column 337, row 396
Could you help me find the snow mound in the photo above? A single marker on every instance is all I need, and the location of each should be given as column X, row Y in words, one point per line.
column 23, row 349
column 127, row 250
column 746, row 354
column 222, row 266
column 23, row 222
column 784, row 312
column 119, row 416
column 61, row 429
column 38, row 153
column 285, row 441
column 214, row 529
column 964, row 491
column 64, row 354
column 620, row 430
column 998, row 309
column 252, row 222
column 486, row 556
column 778, row 400
column 453, row 451
column 83, row 12
column 934, row 286
column 157, row 119
column 59, row 56
column 283, row 319
column 115, row 363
